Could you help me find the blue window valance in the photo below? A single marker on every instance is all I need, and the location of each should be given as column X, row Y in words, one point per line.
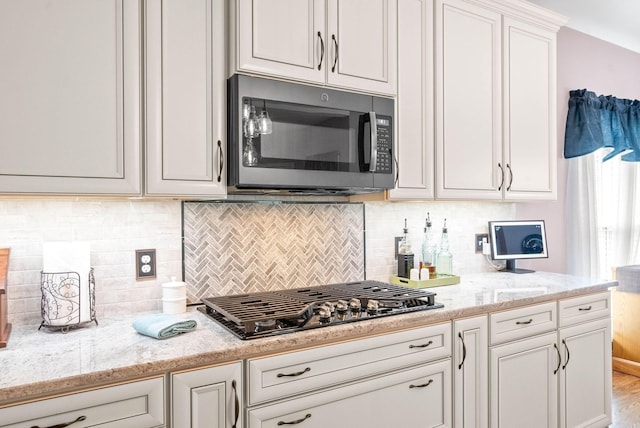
column 596, row 121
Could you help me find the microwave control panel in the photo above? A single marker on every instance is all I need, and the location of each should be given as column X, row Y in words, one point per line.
column 384, row 162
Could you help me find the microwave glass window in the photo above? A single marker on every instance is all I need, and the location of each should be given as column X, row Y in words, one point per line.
column 302, row 137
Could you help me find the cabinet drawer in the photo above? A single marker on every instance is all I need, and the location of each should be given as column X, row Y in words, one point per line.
column 584, row 308
column 522, row 322
column 284, row 375
column 420, row 396
column 139, row 404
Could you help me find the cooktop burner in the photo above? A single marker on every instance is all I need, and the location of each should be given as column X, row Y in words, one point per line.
column 254, row 315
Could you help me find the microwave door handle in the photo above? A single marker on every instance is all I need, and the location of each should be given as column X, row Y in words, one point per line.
column 374, row 141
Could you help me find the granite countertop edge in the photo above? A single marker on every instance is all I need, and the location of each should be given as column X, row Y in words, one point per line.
column 89, row 364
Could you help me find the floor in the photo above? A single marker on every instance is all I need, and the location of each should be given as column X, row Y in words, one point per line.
column 626, row 401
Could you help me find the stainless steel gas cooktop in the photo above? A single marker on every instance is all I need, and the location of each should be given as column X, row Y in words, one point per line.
column 255, row 315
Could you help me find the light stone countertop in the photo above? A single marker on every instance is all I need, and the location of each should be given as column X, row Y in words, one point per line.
column 37, row 363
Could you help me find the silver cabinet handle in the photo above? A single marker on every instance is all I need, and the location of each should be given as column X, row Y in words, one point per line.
column 308, row 369
column 220, row 161
column 566, row 348
column 321, row 50
column 510, row 177
column 63, row 425
column 335, row 59
column 464, row 350
column 236, row 407
column 424, row 385
column 307, row 416
column 501, row 176
column 421, row 346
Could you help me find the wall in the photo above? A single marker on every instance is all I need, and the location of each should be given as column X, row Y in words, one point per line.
column 114, row 228
column 117, row 227
column 606, row 69
column 384, row 221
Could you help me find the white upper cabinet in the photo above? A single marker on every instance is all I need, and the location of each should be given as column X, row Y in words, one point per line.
column 345, row 44
column 414, row 133
column 282, row 38
column 495, row 100
column 70, row 105
column 185, row 98
column 529, row 111
column 468, row 101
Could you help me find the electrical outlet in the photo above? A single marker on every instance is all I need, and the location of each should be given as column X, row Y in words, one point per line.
column 480, row 237
column 145, row 264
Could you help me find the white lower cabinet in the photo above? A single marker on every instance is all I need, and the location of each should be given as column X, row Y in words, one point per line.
column 208, row 397
column 524, row 383
column 417, row 397
column 470, row 373
column 585, row 373
column 545, row 376
column 399, row 379
column 139, row 404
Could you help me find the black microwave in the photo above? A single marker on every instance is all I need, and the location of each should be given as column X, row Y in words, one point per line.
column 299, row 139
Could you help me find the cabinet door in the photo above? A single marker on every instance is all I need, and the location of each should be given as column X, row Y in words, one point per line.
column 414, row 103
column 207, row 398
column 524, row 383
column 529, row 111
column 361, row 38
column 585, row 376
column 70, row 104
column 470, row 373
column 468, row 102
column 283, row 38
column 419, row 396
column 186, row 96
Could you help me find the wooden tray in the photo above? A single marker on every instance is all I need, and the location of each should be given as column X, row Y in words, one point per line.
column 441, row 279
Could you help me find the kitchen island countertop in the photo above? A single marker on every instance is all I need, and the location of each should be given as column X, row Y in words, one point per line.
column 37, row 363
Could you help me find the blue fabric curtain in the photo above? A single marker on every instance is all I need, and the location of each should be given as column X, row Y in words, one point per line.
column 596, row 121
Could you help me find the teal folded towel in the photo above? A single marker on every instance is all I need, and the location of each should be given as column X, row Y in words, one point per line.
column 161, row 326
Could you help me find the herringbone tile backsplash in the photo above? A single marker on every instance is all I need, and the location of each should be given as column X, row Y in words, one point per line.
column 238, row 247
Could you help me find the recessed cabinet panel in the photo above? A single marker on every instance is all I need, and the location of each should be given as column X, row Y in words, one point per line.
column 70, row 104
column 414, row 116
column 470, row 374
column 280, row 38
column 185, row 97
column 586, row 367
column 468, row 80
column 529, row 120
column 289, row 43
column 524, row 383
column 362, row 37
column 207, row 397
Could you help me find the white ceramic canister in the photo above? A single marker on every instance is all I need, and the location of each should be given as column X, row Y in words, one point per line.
column 174, row 297
column 174, row 289
column 174, row 305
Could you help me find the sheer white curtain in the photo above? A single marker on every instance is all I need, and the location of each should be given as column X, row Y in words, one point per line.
column 603, row 209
